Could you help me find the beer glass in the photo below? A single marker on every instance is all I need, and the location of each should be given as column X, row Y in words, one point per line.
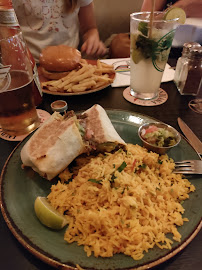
column 150, row 47
column 18, row 114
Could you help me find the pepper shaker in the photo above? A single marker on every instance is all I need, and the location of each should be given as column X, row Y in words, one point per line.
column 183, row 59
column 191, row 74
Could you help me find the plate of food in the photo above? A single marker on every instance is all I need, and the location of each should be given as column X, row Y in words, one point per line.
column 125, row 208
column 63, row 72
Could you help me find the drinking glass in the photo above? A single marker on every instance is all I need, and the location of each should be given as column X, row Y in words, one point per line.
column 151, row 41
column 18, row 114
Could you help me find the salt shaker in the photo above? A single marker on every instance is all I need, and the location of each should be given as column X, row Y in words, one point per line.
column 183, row 59
column 191, row 74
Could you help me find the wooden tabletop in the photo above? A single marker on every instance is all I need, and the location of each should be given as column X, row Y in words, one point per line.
column 14, row 256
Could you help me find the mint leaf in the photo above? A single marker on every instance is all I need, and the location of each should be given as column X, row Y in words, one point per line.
column 143, row 28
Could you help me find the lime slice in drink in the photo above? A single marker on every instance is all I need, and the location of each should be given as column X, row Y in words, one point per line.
column 48, row 215
column 136, row 56
column 133, row 39
column 174, row 13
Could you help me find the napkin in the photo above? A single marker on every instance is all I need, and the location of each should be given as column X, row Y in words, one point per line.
column 122, row 67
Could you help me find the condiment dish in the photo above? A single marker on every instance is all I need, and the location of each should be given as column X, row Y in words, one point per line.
column 158, row 137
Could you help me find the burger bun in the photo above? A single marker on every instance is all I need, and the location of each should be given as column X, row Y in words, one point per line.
column 61, row 58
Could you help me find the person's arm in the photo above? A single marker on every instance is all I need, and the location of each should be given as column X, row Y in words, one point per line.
column 147, row 5
column 192, row 8
column 91, row 41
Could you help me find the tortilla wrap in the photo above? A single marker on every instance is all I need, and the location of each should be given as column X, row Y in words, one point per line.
column 99, row 123
column 53, row 146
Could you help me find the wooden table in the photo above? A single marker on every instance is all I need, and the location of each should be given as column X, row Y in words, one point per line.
column 14, row 256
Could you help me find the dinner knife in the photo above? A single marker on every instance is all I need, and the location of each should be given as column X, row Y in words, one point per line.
column 192, row 138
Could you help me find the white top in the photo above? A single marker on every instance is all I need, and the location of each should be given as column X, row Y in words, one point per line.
column 45, row 23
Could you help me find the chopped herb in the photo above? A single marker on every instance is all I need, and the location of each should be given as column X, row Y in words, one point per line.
column 172, row 190
column 143, row 166
column 113, row 178
column 182, row 202
column 119, row 169
column 95, row 181
column 116, row 188
column 123, row 190
column 120, row 150
column 128, row 225
column 122, row 167
column 113, row 165
column 160, row 161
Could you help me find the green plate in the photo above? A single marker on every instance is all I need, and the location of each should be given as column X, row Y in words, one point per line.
column 19, row 189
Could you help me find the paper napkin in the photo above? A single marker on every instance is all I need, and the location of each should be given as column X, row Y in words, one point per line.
column 122, row 67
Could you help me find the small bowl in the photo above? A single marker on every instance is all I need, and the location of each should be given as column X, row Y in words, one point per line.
column 154, row 148
column 59, row 106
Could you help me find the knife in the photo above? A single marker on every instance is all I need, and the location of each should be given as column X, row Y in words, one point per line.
column 192, row 138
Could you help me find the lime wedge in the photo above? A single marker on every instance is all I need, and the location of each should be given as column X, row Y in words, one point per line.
column 174, row 13
column 133, row 39
column 48, row 215
column 136, row 56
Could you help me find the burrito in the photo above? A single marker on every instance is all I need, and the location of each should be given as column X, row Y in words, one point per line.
column 62, row 138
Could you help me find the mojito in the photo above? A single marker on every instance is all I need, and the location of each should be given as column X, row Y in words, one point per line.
column 150, row 47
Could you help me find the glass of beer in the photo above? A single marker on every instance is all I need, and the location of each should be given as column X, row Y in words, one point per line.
column 18, row 114
column 151, row 40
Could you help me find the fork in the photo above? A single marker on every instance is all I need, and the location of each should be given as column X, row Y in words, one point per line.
column 188, row 167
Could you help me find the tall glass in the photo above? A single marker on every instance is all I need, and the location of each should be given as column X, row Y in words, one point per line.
column 18, row 114
column 151, row 40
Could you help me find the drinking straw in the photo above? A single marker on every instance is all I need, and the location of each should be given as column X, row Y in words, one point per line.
column 151, row 18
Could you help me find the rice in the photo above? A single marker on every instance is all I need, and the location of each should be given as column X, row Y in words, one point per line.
column 123, row 202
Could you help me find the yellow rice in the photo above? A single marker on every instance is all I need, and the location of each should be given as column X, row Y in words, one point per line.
column 127, row 212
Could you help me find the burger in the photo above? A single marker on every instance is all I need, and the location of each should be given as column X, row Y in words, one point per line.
column 57, row 61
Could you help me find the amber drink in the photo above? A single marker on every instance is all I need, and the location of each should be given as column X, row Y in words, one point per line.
column 18, row 114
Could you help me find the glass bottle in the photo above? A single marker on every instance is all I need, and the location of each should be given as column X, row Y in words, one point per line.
column 183, row 59
column 191, row 74
column 9, row 26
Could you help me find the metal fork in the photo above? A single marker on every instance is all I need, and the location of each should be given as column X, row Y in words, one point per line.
column 188, row 167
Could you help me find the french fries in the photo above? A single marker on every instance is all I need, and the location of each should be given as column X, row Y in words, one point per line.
column 88, row 77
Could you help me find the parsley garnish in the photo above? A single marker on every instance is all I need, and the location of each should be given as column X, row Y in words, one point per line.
column 143, row 166
column 122, row 167
column 95, row 181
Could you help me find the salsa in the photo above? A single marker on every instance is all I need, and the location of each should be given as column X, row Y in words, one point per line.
column 157, row 136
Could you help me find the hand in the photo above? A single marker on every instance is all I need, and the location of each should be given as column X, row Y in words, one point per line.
column 92, row 45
